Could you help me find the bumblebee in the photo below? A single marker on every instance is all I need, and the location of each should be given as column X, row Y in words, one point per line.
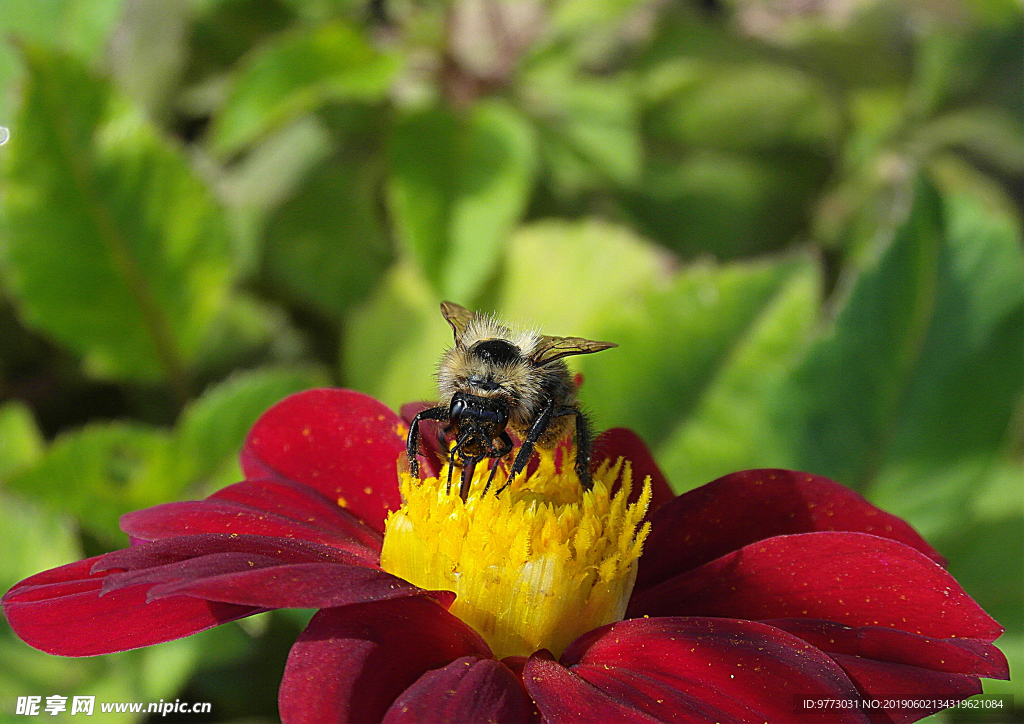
column 494, row 380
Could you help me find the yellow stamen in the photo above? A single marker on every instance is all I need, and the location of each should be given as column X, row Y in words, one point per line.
column 533, row 567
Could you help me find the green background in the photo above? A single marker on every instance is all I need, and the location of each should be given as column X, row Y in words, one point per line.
column 800, row 221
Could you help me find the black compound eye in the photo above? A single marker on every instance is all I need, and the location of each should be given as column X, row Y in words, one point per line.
column 457, row 409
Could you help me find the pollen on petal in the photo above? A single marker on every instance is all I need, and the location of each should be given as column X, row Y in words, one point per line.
column 532, row 567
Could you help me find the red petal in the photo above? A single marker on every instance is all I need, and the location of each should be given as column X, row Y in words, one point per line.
column 351, row 663
column 342, row 443
column 61, row 612
column 171, row 550
column 216, row 516
column 955, row 656
column 70, row 572
column 852, row 578
column 914, row 693
column 742, row 508
column 563, row 696
column 469, row 689
column 687, row 669
column 431, row 452
column 301, row 503
column 620, row 442
column 198, row 568
column 301, row 585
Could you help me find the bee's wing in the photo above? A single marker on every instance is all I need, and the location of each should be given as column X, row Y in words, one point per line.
column 551, row 348
column 458, row 317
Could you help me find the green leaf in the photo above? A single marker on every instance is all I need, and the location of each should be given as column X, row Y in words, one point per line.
column 247, row 332
column 21, row 442
column 458, row 186
column 843, row 399
column 100, row 472
column 729, row 428
column 325, row 247
column 724, row 203
column 79, row 26
column 758, row 106
column 987, row 559
column 674, row 330
column 114, row 247
column 589, row 129
column 211, row 430
column 567, row 277
column 296, row 73
column 945, row 449
column 674, row 343
column 392, row 343
column 150, row 51
column 952, row 427
column 1001, row 496
column 32, row 539
column 990, row 134
column 909, row 393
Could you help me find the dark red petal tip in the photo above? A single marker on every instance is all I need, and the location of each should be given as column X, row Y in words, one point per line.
column 470, row 689
column 950, row 655
column 896, row 667
column 905, row 693
column 62, row 612
column 745, row 507
column 342, row 443
column 850, row 578
column 350, row 664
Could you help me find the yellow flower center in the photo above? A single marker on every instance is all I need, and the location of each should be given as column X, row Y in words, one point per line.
column 532, row 568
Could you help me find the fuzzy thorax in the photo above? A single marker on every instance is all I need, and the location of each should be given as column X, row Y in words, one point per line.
column 534, row 567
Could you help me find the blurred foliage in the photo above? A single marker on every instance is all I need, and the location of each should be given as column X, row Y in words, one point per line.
column 800, row 221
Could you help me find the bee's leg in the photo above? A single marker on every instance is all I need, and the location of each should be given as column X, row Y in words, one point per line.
column 451, row 466
column 584, row 440
column 540, row 425
column 506, row 441
column 412, row 443
column 451, row 458
column 469, row 466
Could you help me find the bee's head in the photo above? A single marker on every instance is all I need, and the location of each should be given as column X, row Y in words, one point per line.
column 488, row 368
column 482, row 417
column 491, row 368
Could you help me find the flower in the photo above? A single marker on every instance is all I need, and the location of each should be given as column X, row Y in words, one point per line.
column 533, row 568
column 754, row 592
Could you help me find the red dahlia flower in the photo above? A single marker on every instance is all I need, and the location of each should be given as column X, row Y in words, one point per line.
column 755, row 592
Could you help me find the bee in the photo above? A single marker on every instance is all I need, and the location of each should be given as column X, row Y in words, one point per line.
column 495, row 379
